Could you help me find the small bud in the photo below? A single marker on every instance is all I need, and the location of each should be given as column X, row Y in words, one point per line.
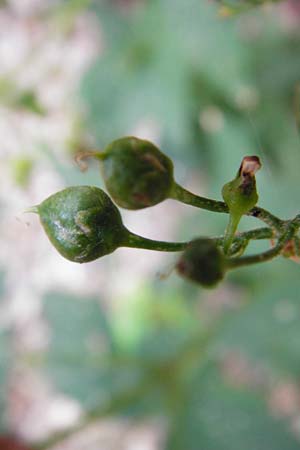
column 240, row 195
column 202, row 262
column 136, row 173
column 82, row 223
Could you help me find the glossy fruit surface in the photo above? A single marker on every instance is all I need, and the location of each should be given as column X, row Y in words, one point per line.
column 82, row 223
column 202, row 262
column 136, row 173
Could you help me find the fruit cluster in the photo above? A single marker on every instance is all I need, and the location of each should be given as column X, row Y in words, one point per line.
column 84, row 224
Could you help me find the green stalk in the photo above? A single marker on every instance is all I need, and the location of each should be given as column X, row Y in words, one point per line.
column 184, row 196
column 291, row 228
column 135, row 241
column 241, row 240
column 230, row 231
column 255, row 234
column 32, row 209
column 267, row 217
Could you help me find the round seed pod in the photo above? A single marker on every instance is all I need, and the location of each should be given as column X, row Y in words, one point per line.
column 202, row 262
column 136, row 173
column 82, row 223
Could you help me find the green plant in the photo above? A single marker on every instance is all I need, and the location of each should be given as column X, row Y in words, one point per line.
column 136, row 173
column 83, row 224
column 240, row 196
column 202, row 262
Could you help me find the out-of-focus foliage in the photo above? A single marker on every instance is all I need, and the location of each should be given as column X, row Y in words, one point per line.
column 19, row 99
column 21, row 170
column 221, row 73
column 238, row 6
column 219, row 416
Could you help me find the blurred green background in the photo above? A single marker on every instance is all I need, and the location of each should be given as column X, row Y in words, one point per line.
column 208, row 82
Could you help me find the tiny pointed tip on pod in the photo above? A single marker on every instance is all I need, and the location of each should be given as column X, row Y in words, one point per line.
column 32, row 209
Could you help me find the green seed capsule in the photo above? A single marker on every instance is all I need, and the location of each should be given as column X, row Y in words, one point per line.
column 136, row 173
column 82, row 223
column 202, row 262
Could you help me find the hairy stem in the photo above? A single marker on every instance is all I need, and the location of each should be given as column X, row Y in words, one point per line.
column 184, row 196
column 241, row 240
column 267, row 217
column 135, row 241
column 291, row 228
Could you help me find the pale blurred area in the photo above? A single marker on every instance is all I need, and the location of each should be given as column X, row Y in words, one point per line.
column 44, row 51
column 46, row 48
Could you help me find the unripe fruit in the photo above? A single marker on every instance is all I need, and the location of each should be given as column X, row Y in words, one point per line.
column 136, row 173
column 202, row 262
column 82, row 223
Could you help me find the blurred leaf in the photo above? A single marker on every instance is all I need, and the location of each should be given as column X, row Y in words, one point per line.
column 70, row 171
column 146, row 76
column 21, row 170
column 216, row 416
column 28, row 101
column 267, row 329
column 237, row 6
column 16, row 98
column 81, row 339
column 150, row 314
column 66, row 12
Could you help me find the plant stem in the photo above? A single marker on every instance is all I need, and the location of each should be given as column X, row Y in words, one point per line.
column 230, row 231
column 291, row 228
column 267, row 217
column 135, row 241
column 255, row 234
column 182, row 195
